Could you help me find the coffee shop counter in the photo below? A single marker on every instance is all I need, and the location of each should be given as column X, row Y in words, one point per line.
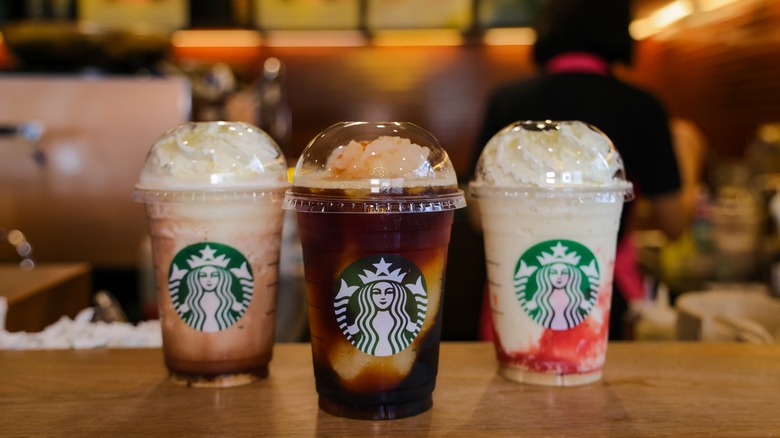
column 649, row 389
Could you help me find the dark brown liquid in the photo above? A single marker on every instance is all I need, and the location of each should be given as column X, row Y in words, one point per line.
column 218, row 373
column 213, row 369
column 331, row 242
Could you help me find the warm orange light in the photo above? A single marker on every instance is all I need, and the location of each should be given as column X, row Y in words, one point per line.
column 417, row 37
column 711, row 5
column 515, row 36
column 315, row 38
column 661, row 19
column 216, row 38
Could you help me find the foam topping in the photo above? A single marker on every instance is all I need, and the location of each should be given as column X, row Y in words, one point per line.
column 385, row 157
column 386, row 162
column 374, row 167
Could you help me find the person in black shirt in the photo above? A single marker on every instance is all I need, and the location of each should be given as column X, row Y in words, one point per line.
column 578, row 43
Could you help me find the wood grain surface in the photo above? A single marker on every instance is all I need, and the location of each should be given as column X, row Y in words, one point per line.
column 649, row 390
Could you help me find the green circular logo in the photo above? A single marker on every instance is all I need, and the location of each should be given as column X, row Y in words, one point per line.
column 380, row 303
column 211, row 286
column 557, row 283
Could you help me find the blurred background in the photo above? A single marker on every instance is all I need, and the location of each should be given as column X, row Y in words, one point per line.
column 86, row 86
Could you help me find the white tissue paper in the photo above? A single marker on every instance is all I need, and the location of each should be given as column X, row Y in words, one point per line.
column 81, row 333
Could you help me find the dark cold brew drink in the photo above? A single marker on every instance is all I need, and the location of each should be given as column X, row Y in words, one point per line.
column 374, row 259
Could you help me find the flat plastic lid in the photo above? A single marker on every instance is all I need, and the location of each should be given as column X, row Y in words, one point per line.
column 551, row 159
column 207, row 161
column 371, row 167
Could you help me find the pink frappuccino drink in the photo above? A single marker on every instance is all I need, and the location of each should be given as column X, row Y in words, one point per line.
column 213, row 195
column 550, row 196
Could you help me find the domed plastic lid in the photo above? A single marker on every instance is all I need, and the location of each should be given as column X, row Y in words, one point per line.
column 366, row 167
column 212, row 160
column 551, row 159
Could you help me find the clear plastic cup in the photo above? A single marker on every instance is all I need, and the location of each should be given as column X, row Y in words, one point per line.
column 213, row 194
column 375, row 204
column 550, row 196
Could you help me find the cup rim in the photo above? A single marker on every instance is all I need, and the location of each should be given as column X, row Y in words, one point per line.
column 311, row 203
column 275, row 194
column 624, row 190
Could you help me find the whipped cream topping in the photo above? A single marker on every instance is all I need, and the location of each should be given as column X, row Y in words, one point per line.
column 214, row 155
column 551, row 155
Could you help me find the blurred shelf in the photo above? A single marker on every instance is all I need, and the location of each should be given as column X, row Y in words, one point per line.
column 40, row 296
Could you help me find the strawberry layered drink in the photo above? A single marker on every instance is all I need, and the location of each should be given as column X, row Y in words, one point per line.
column 550, row 196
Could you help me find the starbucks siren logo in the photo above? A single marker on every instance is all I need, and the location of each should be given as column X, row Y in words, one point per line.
column 557, row 283
column 211, row 286
column 381, row 310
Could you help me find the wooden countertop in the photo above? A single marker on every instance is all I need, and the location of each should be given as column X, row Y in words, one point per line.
column 649, row 389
